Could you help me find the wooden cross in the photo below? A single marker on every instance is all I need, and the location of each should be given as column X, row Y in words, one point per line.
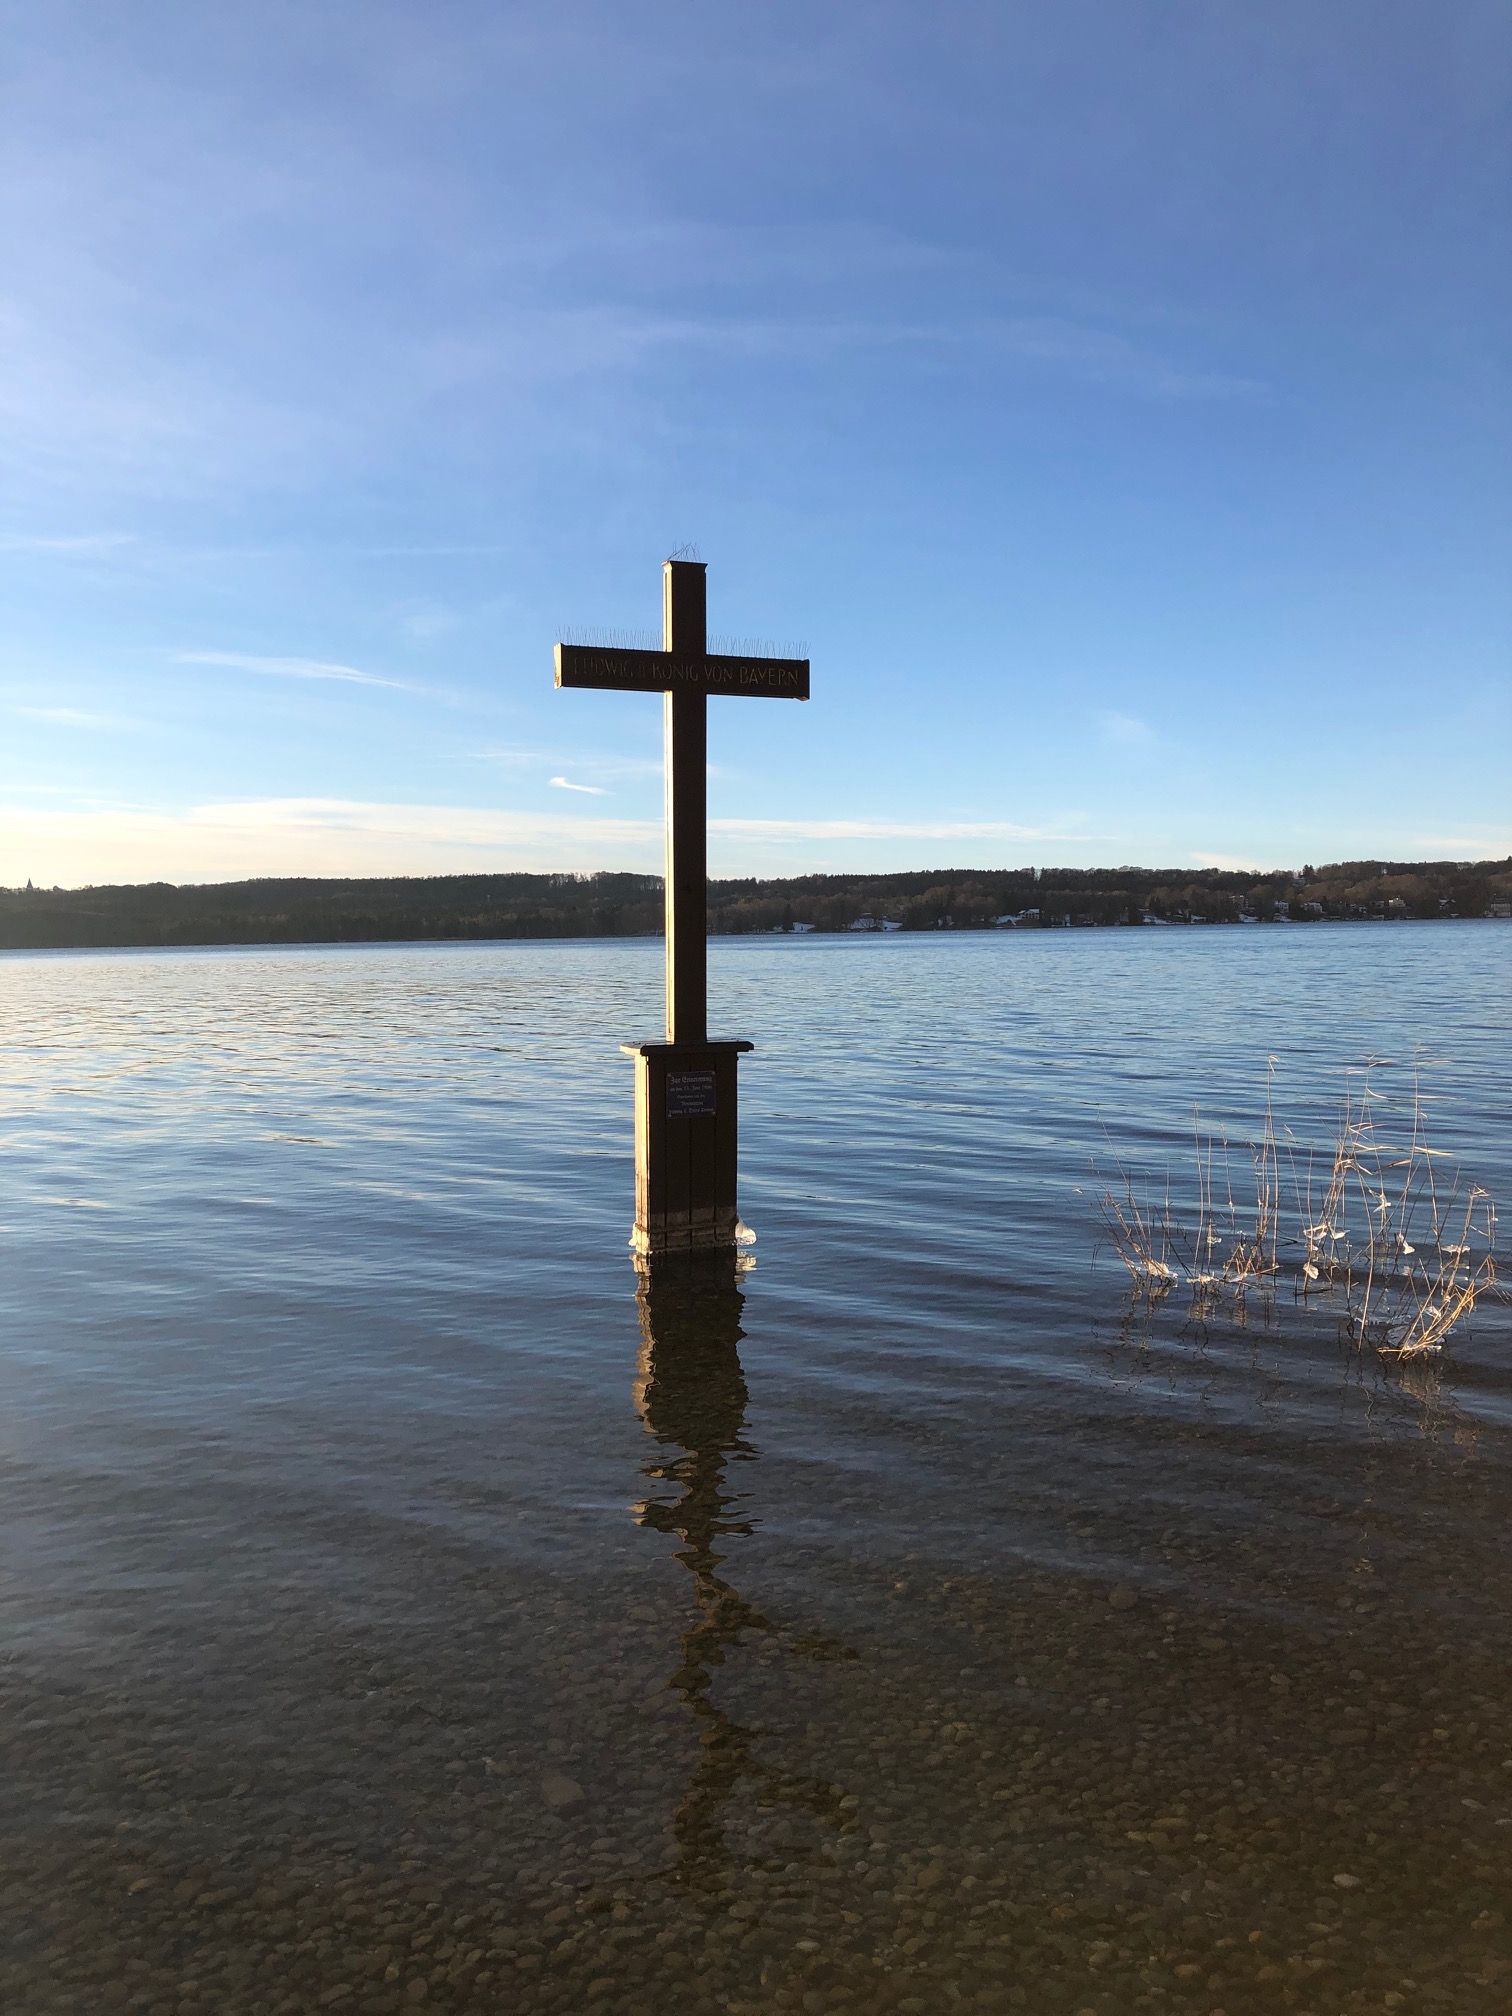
column 685, row 672
column 685, row 1171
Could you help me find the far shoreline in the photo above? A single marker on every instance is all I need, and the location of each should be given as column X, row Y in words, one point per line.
column 300, row 910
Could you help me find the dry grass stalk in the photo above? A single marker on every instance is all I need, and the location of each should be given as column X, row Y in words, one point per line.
column 1400, row 1246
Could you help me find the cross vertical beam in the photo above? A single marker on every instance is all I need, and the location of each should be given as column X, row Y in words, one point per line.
column 686, row 773
column 686, row 1112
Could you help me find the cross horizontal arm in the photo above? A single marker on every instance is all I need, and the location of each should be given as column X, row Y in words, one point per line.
column 680, row 672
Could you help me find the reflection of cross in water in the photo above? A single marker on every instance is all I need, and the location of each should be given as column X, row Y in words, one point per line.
column 691, row 1393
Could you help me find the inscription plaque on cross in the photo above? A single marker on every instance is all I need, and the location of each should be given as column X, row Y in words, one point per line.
column 685, row 1090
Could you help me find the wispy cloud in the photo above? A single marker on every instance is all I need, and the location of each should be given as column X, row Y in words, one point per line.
column 333, row 836
column 1107, row 358
column 70, row 717
column 618, row 768
column 1481, row 843
column 1125, row 731
column 306, row 836
column 78, row 542
column 291, row 668
column 611, row 336
column 589, row 790
column 512, row 759
column 1238, row 864
column 428, row 622
column 887, row 829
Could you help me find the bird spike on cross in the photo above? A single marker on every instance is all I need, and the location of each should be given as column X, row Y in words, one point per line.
column 685, row 1093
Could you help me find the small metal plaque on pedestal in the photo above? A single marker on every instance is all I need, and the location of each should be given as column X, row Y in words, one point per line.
column 690, row 1095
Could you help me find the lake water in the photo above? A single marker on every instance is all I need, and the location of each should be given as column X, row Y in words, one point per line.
column 406, row 1605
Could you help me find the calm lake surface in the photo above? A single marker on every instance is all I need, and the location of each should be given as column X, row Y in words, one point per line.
column 406, row 1605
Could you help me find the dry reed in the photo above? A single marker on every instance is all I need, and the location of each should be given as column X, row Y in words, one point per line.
column 1399, row 1245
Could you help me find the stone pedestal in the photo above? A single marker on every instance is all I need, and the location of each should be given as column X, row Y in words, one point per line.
column 686, row 1113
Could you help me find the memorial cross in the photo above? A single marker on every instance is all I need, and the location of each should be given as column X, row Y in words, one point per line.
column 685, row 1169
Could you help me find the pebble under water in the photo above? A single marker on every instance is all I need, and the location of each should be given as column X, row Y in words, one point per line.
column 408, row 1605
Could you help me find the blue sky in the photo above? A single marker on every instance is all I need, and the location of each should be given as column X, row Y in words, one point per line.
column 1112, row 399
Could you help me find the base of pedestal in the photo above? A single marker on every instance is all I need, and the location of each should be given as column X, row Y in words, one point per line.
column 686, row 1127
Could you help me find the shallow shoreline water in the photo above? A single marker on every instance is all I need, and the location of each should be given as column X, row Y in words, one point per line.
column 408, row 1607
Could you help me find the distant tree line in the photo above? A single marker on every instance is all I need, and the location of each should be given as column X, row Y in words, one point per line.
column 301, row 911
column 1046, row 898
column 310, row 911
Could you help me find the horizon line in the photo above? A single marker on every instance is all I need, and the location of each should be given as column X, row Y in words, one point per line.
column 1380, row 862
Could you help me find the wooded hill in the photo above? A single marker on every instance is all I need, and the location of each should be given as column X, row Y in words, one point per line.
column 300, row 911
